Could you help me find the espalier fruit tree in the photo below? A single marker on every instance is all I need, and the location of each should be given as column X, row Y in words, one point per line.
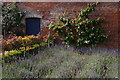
column 80, row 31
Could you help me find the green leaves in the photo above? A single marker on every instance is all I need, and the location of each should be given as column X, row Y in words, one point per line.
column 81, row 31
column 91, row 7
column 11, row 17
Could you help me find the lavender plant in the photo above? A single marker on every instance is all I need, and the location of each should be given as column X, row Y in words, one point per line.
column 57, row 62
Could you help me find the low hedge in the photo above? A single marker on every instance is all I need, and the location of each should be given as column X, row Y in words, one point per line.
column 17, row 45
column 17, row 42
column 15, row 54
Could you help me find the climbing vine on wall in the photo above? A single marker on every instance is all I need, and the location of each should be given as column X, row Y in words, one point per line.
column 80, row 31
column 12, row 17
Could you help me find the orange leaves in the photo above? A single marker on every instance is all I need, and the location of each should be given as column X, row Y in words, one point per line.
column 16, row 42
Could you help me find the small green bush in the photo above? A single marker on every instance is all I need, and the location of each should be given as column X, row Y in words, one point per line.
column 12, row 53
column 12, row 17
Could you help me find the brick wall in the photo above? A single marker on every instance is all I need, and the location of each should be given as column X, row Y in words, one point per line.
column 50, row 11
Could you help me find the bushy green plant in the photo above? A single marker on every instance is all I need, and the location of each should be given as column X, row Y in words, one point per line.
column 80, row 31
column 12, row 17
column 13, row 52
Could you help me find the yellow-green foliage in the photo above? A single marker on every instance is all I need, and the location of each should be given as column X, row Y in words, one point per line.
column 80, row 31
column 17, row 42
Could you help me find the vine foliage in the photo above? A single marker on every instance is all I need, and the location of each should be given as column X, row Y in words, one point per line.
column 80, row 31
column 12, row 17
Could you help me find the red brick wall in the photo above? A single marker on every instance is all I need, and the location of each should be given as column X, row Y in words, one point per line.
column 105, row 10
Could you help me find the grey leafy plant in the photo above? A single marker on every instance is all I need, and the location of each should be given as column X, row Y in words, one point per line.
column 57, row 62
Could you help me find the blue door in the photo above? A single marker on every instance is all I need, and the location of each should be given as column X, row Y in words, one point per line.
column 32, row 26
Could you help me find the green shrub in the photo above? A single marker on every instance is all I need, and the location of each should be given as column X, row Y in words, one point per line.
column 12, row 17
column 80, row 31
column 21, row 51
